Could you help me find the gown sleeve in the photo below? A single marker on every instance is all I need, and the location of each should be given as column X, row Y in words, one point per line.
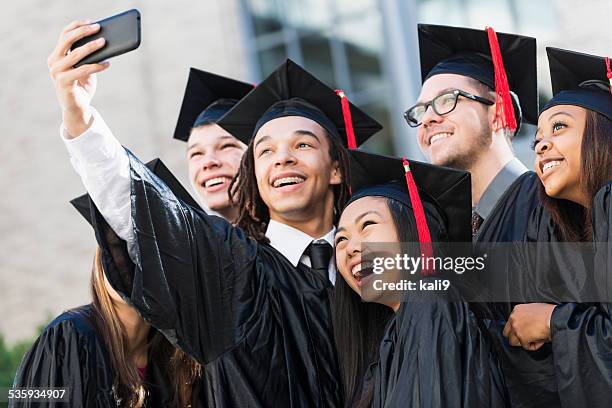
column 582, row 332
column 62, row 358
column 194, row 276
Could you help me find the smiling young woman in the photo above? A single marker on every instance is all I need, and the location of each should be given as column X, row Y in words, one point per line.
column 398, row 347
column 573, row 144
column 573, row 161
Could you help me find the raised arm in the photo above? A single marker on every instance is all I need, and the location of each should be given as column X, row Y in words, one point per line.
column 95, row 154
column 190, row 275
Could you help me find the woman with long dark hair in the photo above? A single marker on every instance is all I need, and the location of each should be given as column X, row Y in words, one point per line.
column 417, row 348
column 573, row 145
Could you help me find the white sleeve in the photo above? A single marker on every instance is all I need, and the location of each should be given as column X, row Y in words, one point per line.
column 104, row 167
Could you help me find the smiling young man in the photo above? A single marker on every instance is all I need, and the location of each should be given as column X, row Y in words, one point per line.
column 466, row 120
column 477, row 87
column 213, row 155
column 256, row 315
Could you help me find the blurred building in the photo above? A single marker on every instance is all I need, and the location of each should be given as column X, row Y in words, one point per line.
column 368, row 48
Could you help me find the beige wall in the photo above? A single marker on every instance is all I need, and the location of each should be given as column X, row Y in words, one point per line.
column 46, row 248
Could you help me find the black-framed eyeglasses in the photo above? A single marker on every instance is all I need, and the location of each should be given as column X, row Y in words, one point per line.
column 441, row 104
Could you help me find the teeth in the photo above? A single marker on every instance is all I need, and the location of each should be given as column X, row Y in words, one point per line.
column 551, row 164
column 288, row 180
column 356, row 271
column 439, row 136
column 215, row 181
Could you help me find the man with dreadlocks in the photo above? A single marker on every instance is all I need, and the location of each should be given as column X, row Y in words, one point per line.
column 251, row 303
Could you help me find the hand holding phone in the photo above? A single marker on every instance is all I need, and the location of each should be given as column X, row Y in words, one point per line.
column 74, row 62
column 121, row 33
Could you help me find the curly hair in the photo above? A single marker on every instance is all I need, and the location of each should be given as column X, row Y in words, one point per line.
column 254, row 216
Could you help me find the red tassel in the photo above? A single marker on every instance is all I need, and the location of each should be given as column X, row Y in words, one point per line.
column 609, row 71
column 421, row 221
column 503, row 100
column 348, row 120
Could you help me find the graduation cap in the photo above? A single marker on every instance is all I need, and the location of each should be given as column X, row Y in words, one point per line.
column 82, row 203
column 478, row 54
column 207, row 97
column 291, row 91
column 580, row 79
column 444, row 194
column 450, row 190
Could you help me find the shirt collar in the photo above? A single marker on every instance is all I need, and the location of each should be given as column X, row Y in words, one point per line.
column 506, row 176
column 291, row 242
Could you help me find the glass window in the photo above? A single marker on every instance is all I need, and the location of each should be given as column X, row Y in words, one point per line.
column 351, row 8
column 381, row 142
column 309, row 14
column 363, row 46
column 444, row 12
column 267, row 15
column 497, row 14
column 316, row 54
column 537, row 18
column 339, row 41
column 270, row 58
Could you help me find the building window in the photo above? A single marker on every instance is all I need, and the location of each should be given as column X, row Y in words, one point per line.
column 364, row 46
column 339, row 41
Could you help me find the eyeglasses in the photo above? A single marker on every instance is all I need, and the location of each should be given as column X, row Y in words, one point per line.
column 441, row 104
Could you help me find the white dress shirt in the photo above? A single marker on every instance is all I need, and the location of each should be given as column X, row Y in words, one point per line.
column 104, row 168
column 292, row 243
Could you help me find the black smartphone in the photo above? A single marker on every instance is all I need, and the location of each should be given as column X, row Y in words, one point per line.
column 121, row 32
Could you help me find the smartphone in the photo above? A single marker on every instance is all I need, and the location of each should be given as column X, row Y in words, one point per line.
column 122, row 34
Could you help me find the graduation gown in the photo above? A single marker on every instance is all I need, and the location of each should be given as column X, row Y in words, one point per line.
column 70, row 354
column 435, row 354
column 582, row 332
column 509, row 218
column 519, row 217
column 260, row 327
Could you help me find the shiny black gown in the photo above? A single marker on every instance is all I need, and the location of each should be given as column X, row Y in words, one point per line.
column 582, row 332
column 519, row 217
column 435, row 354
column 575, row 369
column 260, row 327
column 70, row 354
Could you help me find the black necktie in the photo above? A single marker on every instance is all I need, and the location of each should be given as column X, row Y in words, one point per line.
column 476, row 222
column 320, row 253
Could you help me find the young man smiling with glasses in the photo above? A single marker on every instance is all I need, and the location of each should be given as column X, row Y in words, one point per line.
column 469, row 109
column 460, row 117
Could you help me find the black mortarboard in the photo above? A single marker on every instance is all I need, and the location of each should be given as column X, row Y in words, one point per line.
column 207, row 97
column 447, row 190
column 82, row 203
column 476, row 53
column 580, row 79
column 292, row 91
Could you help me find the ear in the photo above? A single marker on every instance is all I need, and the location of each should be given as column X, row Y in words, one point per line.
column 335, row 176
column 494, row 121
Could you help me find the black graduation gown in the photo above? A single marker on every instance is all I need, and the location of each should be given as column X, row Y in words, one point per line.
column 260, row 327
column 69, row 353
column 582, row 332
column 509, row 219
column 435, row 354
column 519, row 217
